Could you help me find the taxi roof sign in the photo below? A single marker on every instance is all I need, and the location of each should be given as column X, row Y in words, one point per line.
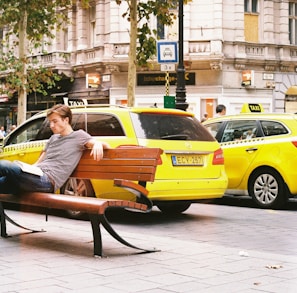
column 252, row 108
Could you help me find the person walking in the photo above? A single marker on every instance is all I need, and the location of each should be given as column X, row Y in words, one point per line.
column 2, row 132
column 56, row 162
column 204, row 118
column 220, row 110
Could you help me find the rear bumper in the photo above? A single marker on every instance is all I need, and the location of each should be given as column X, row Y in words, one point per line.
column 187, row 190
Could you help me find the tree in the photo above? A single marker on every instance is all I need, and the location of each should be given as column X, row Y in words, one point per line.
column 139, row 14
column 26, row 25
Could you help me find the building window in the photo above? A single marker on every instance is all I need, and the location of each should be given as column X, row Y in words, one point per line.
column 251, row 6
column 92, row 26
column 293, row 23
column 169, row 32
column 160, row 29
column 251, row 21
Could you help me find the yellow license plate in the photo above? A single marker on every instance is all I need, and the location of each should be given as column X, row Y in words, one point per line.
column 187, row 160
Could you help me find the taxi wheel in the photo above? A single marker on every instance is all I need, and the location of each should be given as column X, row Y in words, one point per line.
column 267, row 188
column 173, row 207
column 77, row 187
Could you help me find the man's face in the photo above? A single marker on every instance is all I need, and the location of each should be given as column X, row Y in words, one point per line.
column 58, row 124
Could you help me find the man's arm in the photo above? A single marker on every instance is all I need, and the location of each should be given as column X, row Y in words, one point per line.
column 97, row 148
column 41, row 157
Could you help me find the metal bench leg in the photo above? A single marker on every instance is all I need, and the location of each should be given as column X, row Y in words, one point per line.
column 95, row 222
column 4, row 217
column 115, row 235
column 3, row 221
column 10, row 220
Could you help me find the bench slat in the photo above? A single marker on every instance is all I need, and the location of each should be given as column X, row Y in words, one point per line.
column 108, row 176
column 129, row 152
column 117, row 169
column 139, row 173
column 91, row 205
column 111, row 162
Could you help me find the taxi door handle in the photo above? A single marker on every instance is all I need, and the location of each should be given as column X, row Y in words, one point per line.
column 251, row 149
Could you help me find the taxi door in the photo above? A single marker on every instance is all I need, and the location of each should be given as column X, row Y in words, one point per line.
column 240, row 143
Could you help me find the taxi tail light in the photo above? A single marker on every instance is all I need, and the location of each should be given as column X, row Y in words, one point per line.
column 294, row 143
column 218, row 157
column 137, row 146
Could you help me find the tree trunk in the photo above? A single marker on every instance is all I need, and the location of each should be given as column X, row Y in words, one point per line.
column 22, row 93
column 132, row 54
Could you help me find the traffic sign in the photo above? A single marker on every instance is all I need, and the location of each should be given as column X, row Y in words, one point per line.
column 167, row 52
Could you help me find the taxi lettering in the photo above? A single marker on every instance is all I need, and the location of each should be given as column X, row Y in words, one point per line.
column 254, row 108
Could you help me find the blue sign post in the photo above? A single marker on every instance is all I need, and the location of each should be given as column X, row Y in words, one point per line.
column 167, row 52
column 167, row 57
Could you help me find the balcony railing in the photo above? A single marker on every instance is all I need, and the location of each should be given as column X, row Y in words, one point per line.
column 50, row 59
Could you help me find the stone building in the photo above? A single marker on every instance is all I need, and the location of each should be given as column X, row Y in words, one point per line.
column 235, row 52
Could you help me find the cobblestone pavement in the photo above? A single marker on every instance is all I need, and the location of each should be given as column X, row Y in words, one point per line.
column 209, row 248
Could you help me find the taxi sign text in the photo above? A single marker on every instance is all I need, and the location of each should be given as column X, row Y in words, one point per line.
column 252, row 108
column 255, row 107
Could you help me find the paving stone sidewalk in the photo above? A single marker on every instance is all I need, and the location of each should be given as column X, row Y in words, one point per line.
column 210, row 248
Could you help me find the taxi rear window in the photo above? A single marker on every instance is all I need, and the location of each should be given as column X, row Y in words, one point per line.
column 169, row 127
column 273, row 128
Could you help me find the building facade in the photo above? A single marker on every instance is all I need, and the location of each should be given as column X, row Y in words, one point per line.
column 235, row 52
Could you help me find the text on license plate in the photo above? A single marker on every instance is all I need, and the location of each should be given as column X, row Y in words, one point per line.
column 187, row 160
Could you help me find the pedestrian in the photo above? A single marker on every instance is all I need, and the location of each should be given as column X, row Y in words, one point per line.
column 204, row 118
column 220, row 110
column 2, row 131
column 56, row 162
column 12, row 128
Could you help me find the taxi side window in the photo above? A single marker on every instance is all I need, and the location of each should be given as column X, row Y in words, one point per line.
column 273, row 128
column 98, row 124
column 239, row 130
column 214, row 128
column 29, row 132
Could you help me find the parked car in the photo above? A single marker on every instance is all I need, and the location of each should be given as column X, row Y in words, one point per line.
column 260, row 152
column 192, row 163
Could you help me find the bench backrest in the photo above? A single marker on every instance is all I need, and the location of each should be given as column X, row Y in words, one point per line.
column 130, row 163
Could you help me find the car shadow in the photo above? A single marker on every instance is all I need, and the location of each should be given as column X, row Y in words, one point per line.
column 246, row 201
column 155, row 217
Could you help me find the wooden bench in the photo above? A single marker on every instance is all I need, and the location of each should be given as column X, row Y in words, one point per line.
column 129, row 168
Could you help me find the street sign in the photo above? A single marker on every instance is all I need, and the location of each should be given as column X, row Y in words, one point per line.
column 167, row 52
column 167, row 67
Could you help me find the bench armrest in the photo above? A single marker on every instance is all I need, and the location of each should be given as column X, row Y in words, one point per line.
column 140, row 191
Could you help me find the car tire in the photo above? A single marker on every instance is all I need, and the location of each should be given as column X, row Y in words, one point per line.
column 77, row 187
column 173, row 207
column 267, row 188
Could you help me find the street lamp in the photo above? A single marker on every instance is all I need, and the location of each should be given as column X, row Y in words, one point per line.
column 180, row 99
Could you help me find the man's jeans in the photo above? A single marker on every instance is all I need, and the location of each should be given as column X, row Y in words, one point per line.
column 14, row 180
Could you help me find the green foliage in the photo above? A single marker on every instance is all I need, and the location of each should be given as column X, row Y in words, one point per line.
column 41, row 17
column 147, row 37
column 38, row 78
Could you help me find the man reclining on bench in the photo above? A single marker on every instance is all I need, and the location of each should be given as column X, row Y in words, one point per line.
column 57, row 161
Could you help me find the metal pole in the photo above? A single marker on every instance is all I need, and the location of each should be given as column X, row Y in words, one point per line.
column 180, row 100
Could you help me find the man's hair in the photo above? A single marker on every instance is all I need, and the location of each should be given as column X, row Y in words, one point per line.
column 62, row 110
column 220, row 108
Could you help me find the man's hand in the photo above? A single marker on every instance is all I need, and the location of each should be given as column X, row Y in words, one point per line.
column 97, row 149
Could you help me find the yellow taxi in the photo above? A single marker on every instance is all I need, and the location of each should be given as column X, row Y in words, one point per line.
column 192, row 163
column 260, row 152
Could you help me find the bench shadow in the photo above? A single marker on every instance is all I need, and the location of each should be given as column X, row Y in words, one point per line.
column 48, row 243
column 127, row 217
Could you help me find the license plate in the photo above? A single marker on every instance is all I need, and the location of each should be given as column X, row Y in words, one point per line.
column 187, row 160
